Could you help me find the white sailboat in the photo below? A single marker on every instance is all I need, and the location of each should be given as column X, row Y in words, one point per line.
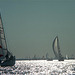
column 67, row 57
column 56, row 49
column 6, row 58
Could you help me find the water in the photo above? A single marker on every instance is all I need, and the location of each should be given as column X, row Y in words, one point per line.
column 40, row 67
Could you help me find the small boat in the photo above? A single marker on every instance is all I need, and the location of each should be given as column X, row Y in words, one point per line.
column 6, row 58
column 56, row 49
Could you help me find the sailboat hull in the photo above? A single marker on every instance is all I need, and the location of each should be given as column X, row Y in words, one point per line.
column 9, row 62
column 62, row 59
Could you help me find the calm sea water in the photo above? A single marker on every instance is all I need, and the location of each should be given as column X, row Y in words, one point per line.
column 40, row 67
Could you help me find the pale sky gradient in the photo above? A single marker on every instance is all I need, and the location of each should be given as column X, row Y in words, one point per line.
column 31, row 26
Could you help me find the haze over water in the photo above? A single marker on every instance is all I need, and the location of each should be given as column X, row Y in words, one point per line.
column 31, row 26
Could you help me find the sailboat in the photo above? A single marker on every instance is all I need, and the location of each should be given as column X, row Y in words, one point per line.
column 6, row 58
column 56, row 49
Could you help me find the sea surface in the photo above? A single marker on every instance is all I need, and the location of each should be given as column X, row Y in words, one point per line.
column 40, row 67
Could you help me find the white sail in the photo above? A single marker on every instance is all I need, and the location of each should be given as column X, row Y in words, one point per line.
column 3, row 47
column 6, row 58
column 56, row 49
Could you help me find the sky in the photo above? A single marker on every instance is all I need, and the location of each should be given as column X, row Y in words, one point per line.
column 31, row 25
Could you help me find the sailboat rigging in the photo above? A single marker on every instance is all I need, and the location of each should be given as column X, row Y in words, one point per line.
column 6, row 58
column 56, row 49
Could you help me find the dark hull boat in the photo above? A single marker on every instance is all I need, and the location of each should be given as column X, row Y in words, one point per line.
column 8, row 62
column 56, row 49
column 6, row 58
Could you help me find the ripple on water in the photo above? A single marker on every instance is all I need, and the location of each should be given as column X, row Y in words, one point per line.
column 42, row 67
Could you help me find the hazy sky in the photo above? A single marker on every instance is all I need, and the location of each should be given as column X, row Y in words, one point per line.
column 31, row 26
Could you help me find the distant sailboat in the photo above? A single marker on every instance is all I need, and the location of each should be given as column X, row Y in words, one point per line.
column 56, row 49
column 66, row 57
column 6, row 58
